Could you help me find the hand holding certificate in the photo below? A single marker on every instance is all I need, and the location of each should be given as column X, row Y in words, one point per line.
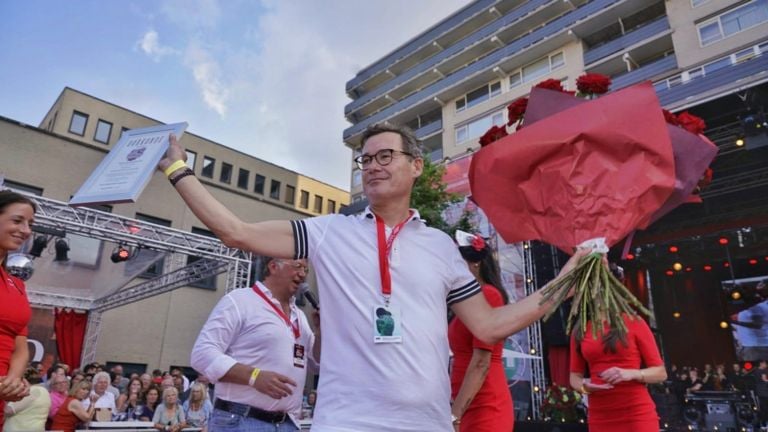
column 126, row 170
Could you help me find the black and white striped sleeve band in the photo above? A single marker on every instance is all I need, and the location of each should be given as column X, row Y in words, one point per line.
column 463, row 292
column 299, row 239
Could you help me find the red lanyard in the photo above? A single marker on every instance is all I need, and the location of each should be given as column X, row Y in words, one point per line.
column 385, row 245
column 295, row 328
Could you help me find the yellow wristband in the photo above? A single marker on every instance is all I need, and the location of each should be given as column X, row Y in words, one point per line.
column 584, row 390
column 254, row 375
column 174, row 166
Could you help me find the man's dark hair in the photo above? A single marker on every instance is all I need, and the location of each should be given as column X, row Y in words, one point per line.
column 265, row 260
column 410, row 142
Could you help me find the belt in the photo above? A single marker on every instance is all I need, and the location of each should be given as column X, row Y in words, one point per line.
column 244, row 410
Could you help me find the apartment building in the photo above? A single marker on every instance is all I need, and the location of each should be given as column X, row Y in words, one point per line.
column 55, row 158
column 454, row 80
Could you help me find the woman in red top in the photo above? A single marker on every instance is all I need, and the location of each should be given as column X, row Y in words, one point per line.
column 481, row 399
column 619, row 369
column 16, row 216
column 72, row 411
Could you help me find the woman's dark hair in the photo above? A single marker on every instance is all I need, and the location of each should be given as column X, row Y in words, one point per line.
column 32, row 375
column 8, row 197
column 489, row 268
column 610, row 339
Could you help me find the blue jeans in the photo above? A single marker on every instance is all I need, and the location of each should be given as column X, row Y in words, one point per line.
column 223, row 421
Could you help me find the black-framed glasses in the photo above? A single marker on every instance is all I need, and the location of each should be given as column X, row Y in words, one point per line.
column 383, row 157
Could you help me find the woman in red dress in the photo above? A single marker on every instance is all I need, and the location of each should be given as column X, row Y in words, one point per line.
column 72, row 412
column 619, row 368
column 481, row 399
column 16, row 216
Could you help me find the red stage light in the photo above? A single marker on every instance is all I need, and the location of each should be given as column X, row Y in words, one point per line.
column 688, row 269
column 747, row 365
column 630, row 257
column 707, row 267
column 673, row 249
column 753, row 261
column 723, row 241
column 726, row 264
column 670, row 273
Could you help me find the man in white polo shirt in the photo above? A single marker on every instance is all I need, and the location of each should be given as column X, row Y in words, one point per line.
column 256, row 345
column 385, row 279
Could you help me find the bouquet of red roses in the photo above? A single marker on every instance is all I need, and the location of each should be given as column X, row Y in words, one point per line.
column 586, row 173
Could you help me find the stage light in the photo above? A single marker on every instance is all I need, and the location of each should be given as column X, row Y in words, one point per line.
column 723, row 241
column 748, row 366
column 726, row 264
column 689, row 269
column 38, row 246
column 740, row 142
column 670, row 273
column 677, row 266
column 120, row 254
column 707, row 267
column 723, row 325
column 62, row 247
column 536, row 389
column 673, row 249
column 533, row 351
column 631, row 256
column 753, row 261
column 676, row 314
column 736, row 294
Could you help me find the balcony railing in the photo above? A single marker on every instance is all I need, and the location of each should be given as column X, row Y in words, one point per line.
column 429, row 129
column 431, row 63
column 419, row 42
column 646, row 72
column 634, row 37
column 556, row 26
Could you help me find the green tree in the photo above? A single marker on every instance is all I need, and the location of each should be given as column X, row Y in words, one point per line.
column 430, row 198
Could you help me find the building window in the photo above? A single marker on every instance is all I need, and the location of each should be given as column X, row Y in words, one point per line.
column 258, row 185
column 209, row 282
column 274, row 189
column 290, row 194
column 357, row 178
column 331, row 206
column 478, row 95
column 477, row 128
column 78, row 123
column 695, row 3
column 209, row 164
column 304, row 201
column 191, row 159
column 103, row 130
column 746, row 16
column 226, row 173
column 155, row 269
column 537, row 69
column 34, row 190
column 318, row 204
column 242, row 178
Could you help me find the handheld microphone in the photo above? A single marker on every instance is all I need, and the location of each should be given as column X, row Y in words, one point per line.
column 304, row 289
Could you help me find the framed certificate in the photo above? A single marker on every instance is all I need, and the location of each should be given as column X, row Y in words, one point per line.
column 127, row 168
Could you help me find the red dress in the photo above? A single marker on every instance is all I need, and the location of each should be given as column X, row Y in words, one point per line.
column 627, row 407
column 14, row 317
column 65, row 420
column 491, row 409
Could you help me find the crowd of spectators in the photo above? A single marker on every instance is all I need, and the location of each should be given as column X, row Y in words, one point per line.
column 67, row 398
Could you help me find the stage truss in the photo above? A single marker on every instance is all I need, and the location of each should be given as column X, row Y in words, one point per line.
column 538, row 376
column 87, row 222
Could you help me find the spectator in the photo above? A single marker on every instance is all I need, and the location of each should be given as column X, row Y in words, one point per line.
column 178, row 383
column 76, row 378
column 202, row 379
column 198, row 408
column 30, row 413
column 146, row 381
column 73, row 410
column 169, row 416
column 184, row 380
column 151, row 399
column 105, row 400
column 694, row 383
column 128, row 401
column 59, row 391
column 721, row 382
column 111, row 388
column 55, row 370
column 119, row 381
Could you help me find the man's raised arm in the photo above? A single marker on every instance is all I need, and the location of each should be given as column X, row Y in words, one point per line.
column 270, row 238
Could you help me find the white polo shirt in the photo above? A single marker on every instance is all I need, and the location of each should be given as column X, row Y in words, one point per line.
column 365, row 386
column 243, row 328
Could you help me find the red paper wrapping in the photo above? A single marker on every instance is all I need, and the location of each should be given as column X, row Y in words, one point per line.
column 599, row 169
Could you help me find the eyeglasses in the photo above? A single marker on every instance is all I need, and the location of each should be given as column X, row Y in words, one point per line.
column 296, row 265
column 383, row 157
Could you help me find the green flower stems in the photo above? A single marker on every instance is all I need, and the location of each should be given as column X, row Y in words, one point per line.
column 598, row 297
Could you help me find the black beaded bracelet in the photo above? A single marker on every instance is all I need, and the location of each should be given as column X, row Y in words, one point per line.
column 183, row 173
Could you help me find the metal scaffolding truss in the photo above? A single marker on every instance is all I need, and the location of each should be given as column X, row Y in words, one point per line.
column 216, row 258
column 538, row 376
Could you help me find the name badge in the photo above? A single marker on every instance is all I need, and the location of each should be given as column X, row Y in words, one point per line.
column 387, row 324
column 298, row 356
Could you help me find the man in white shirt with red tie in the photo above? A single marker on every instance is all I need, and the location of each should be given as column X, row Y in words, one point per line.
column 256, row 345
column 385, row 280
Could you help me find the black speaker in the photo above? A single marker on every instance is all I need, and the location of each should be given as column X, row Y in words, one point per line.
column 535, row 426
